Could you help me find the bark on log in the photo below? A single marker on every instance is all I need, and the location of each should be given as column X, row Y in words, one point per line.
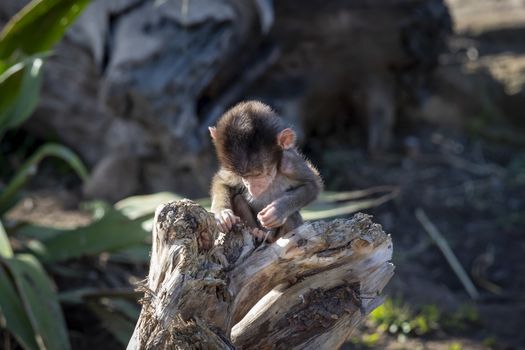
column 307, row 290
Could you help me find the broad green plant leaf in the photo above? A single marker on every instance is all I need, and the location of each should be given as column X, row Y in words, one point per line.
column 12, row 314
column 28, row 230
column 111, row 231
column 19, row 92
column 10, row 84
column 29, row 169
column 38, row 26
column 4, row 66
column 5, row 247
column 336, row 204
column 40, row 301
column 140, row 206
column 143, row 207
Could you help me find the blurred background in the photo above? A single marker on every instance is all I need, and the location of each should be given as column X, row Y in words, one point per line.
column 411, row 109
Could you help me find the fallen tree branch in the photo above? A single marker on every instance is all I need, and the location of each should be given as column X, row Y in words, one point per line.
column 307, row 290
column 452, row 260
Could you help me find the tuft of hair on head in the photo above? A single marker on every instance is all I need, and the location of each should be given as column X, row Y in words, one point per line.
column 246, row 136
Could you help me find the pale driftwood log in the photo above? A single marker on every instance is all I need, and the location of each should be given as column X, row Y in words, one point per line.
column 307, row 290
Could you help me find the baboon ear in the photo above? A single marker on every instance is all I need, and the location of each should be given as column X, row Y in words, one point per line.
column 213, row 132
column 286, row 138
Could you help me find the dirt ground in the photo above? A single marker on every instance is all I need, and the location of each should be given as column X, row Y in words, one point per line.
column 474, row 193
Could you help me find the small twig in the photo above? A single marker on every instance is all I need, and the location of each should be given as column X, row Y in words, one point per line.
column 442, row 244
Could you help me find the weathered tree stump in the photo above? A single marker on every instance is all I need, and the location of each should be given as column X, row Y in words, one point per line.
column 307, row 290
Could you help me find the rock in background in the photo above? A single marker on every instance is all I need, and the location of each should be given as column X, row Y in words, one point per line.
column 135, row 83
column 123, row 88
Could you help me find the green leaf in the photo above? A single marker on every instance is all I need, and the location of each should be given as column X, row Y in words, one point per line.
column 38, row 26
column 334, row 204
column 3, row 66
column 112, row 231
column 5, row 247
column 40, row 301
column 28, row 230
column 19, row 92
column 140, row 206
column 12, row 314
column 29, row 169
column 10, row 85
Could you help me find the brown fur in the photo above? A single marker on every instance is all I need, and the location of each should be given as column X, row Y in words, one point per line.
column 246, row 142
